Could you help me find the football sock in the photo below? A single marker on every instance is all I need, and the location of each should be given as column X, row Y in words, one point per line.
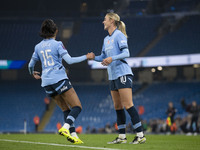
column 73, row 134
column 66, row 126
column 121, row 121
column 75, row 111
column 140, row 134
column 135, row 119
column 72, row 127
column 122, row 136
column 66, row 113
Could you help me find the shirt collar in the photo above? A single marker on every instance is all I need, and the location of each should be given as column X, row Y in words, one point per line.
column 112, row 32
column 48, row 39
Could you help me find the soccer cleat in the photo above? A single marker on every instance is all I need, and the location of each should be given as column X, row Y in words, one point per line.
column 77, row 141
column 60, row 131
column 118, row 141
column 67, row 134
column 138, row 140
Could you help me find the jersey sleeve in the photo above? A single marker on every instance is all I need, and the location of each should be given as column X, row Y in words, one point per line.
column 35, row 55
column 61, row 49
column 102, row 56
column 122, row 41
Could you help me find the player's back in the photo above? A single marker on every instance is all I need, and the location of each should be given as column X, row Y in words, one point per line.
column 50, row 53
column 47, row 51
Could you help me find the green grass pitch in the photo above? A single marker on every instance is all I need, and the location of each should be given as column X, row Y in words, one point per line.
column 96, row 141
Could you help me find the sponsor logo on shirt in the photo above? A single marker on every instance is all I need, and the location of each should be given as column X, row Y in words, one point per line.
column 108, row 48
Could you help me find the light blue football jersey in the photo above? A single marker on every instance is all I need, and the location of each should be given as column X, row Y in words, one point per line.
column 50, row 52
column 113, row 45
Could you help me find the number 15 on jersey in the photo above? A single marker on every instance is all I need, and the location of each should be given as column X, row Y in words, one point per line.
column 48, row 59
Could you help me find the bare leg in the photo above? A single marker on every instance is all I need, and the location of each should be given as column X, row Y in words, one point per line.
column 126, row 97
column 61, row 103
column 116, row 100
column 70, row 97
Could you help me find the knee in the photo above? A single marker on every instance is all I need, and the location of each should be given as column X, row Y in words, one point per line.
column 118, row 106
column 64, row 108
column 128, row 106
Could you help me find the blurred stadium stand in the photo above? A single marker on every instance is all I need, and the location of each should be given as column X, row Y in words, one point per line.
column 96, row 101
column 20, row 101
column 25, row 34
column 18, row 38
column 80, row 43
column 183, row 40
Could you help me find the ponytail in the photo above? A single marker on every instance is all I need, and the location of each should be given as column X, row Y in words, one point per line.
column 122, row 28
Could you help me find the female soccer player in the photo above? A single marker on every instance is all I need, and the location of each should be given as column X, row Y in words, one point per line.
column 54, row 78
column 114, row 52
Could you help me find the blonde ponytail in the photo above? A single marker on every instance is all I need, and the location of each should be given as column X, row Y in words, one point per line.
column 119, row 24
column 122, row 28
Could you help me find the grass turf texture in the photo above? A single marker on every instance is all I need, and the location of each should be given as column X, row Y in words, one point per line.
column 154, row 142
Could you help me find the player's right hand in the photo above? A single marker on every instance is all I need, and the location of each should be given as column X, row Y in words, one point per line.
column 90, row 56
column 36, row 75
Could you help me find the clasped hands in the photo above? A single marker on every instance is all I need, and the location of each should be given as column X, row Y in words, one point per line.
column 105, row 62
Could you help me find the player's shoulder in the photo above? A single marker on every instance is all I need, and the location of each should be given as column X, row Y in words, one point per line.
column 38, row 45
column 57, row 42
column 119, row 33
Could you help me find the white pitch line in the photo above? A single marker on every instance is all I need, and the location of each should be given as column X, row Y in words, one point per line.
column 54, row 144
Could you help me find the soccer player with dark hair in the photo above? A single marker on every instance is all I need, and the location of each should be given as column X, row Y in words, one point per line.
column 54, row 78
column 114, row 52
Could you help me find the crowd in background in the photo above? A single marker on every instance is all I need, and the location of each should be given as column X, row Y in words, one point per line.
column 189, row 125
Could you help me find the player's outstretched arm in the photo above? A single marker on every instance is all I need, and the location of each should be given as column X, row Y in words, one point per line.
column 72, row 60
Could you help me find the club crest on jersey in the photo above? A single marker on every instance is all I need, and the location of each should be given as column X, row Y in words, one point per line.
column 108, row 42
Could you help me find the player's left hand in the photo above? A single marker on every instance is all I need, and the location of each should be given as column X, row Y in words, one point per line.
column 36, row 75
column 106, row 61
column 90, row 56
